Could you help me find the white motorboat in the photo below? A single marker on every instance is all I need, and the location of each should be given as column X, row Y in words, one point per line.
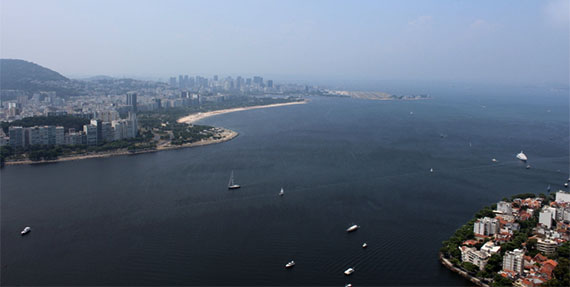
column 281, row 193
column 348, row 271
column 431, row 170
column 522, row 156
column 364, row 245
column 528, row 166
column 565, row 184
column 348, row 285
column 290, row 264
column 26, row 230
column 352, row 228
column 494, row 160
column 232, row 184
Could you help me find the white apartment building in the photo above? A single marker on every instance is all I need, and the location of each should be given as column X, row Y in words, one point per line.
column 514, row 261
column 486, row 226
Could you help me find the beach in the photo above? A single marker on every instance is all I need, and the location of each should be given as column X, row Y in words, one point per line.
column 189, row 119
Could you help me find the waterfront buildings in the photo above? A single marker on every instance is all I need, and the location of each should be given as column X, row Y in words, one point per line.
column 474, row 256
column 547, row 214
column 486, row 226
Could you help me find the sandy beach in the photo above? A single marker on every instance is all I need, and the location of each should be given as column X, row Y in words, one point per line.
column 225, row 134
column 196, row 117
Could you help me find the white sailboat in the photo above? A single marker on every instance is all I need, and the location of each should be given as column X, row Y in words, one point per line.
column 26, row 230
column 290, row 264
column 352, row 228
column 232, row 184
column 281, row 193
column 349, row 271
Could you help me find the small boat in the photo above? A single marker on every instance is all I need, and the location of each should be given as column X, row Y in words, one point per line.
column 522, row 156
column 565, row 184
column 281, row 193
column 364, row 245
column 232, row 184
column 348, row 285
column 548, row 188
column 431, row 170
column 26, row 230
column 348, row 271
column 352, row 228
column 290, row 264
column 494, row 160
column 411, row 113
column 528, row 166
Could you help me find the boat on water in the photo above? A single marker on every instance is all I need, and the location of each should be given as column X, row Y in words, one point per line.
column 26, row 230
column 348, row 285
column 290, row 264
column 364, row 245
column 494, row 160
column 522, row 156
column 348, row 271
column 232, row 184
column 565, row 184
column 528, row 166
column 548, row 188
column 431, row 170
column 281, row 193
column 352, row 228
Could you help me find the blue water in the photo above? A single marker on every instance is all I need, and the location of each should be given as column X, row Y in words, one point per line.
column 167, row 218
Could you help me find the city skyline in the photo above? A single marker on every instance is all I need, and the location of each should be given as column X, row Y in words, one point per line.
column 313, row 41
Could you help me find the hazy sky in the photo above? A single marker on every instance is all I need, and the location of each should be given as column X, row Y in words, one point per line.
column 524, row 42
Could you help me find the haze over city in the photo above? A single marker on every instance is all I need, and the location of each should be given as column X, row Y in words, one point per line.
column 509, row 42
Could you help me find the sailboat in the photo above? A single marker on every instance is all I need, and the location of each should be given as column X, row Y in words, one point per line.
column 548, row 188
column 281, row 193
column 232, row 184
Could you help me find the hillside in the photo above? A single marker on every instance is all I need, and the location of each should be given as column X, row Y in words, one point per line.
column 30, row 77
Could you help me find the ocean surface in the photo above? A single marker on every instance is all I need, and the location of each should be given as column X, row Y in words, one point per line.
column 167, row 218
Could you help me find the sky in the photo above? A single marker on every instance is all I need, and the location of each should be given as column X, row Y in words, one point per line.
column 515, row 42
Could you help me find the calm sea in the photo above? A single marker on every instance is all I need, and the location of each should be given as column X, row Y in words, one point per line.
column 168, row 219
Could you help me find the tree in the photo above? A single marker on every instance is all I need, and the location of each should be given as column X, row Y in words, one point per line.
column 470, row 267
column 499, row 280
column 494, row 263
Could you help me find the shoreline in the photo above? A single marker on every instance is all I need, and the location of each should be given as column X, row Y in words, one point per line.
column 192, row 118
column 226, row 134
column 462, row 273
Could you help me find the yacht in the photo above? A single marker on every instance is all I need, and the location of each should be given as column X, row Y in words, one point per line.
column 281, row 193
column 352, row 228
column 290, row 264
column 232, row 184
column 26, row 230
column 364, row 245
column 494, row 160
column 349, row 271
column 522, row 156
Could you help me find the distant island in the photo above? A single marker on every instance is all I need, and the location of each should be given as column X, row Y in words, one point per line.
column 382, row 96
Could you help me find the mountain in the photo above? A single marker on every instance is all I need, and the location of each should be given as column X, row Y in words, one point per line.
column 30, row 77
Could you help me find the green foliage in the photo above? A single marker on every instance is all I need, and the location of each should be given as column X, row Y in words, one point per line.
column 499, row 280
column 561, row 273
column 494, row 263
column 523, row 195
column 470, row 267
column 487, row 211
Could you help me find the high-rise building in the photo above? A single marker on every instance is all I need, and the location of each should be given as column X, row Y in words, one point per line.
column 59, row 135
column 258, row 80
column 90, row 134
column 486, row 226
column 514, row 261
column 173, row 81
column 270, row 83
column 547, row 214
column 132, row 101
column 180, row 81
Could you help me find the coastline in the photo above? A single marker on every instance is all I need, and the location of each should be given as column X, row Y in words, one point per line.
column 226, row 134
column 189, row 119
column 463, row 274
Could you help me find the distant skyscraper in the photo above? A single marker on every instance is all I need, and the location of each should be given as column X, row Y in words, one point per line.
column 248, row 82
column 173, row 81
column 270, row 83
column 132, row 101
column 258, row 80
column 216, row 78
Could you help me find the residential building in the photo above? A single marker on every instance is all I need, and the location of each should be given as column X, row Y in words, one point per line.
column 16, row 135
column 562, row 196
column 90, row 134
column 514, row 261
column 473, row 256
column 546, row 246
column 547, row 214
column 504, row 208
column 486, row 226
